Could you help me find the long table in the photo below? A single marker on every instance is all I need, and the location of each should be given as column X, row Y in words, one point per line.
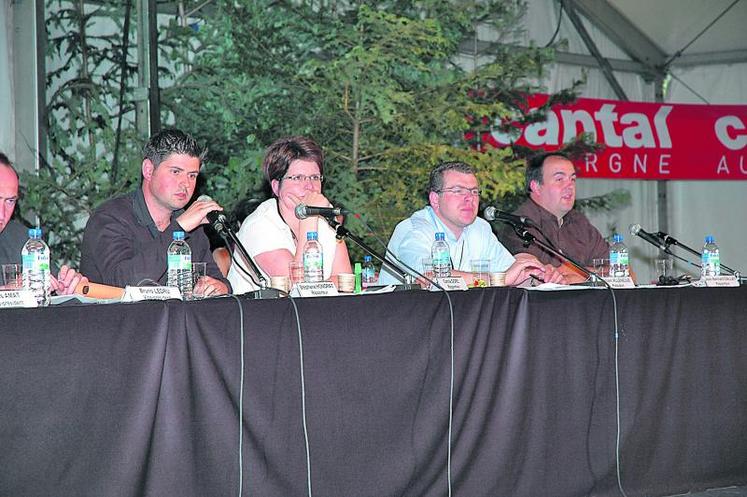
column 142, row 399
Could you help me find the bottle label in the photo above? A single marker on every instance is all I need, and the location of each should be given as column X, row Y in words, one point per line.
column 35, row 261
column 180, row 261
column 623, row 258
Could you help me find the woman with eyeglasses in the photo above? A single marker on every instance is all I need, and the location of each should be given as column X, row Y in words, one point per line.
column 272, row 234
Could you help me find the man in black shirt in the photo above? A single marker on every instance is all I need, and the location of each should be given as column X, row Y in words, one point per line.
column 126, row 239
column 13, row 235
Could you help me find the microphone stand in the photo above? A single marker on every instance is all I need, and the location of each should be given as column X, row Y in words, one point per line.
column 264, row 291
column 529, row 239
column 341, row 232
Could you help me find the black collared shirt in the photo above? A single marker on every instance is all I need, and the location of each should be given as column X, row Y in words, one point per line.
column 122, row 245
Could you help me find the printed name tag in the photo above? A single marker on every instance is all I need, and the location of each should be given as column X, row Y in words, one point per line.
column 321, row 289
column 450, row 284
column 721, row 281
column 138, row 293
column 17, row 298
column 620, row 281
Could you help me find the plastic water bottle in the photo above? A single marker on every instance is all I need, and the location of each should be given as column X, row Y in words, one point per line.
column 368, row 272
column 710, row 260
column 619, row 264
column 441, row 257
column 179, row 259
column 35, row 258
column 313, row 259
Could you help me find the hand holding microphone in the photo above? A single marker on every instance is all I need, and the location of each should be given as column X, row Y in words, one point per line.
column 198, row 213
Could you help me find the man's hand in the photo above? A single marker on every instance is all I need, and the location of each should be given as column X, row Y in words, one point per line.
column 553, row 275
column 67, row 280
column 209, row 286
column 195, row 215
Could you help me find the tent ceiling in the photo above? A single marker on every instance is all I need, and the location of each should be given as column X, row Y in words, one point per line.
column 652, row 31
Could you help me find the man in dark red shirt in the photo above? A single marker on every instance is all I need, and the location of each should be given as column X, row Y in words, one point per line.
column 551, row 185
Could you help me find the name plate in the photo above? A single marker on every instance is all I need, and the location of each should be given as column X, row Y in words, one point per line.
column 138, row 293
column 321, row 289
column 725, row 280
column 450, row 284
column 620, row 281
column 17, row 298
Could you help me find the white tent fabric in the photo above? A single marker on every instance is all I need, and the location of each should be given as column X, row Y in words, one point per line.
column 695, row 208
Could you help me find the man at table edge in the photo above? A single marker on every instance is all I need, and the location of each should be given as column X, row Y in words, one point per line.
column 551, row 187
column 13, row 235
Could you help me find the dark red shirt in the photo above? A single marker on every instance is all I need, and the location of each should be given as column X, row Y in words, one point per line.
column 576, row 237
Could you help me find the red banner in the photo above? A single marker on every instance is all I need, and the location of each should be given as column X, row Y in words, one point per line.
column 652, row 141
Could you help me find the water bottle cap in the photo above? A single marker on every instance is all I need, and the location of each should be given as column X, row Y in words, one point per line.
column 440, row 235
column 35, row 233
column 312, row 235
column 617, row 238
column 178, row 235
column 366, row 258
column 709, row 239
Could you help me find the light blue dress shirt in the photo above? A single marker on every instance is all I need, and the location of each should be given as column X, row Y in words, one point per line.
column 412, row 239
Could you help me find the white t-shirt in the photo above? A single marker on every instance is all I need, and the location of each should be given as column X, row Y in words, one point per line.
column 264, row 231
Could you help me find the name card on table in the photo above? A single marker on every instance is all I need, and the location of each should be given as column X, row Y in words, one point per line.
column 321, row 289
column 725, row 280
column 450, row 284
column 17, row 298
column 138, row 293
column 620, row 281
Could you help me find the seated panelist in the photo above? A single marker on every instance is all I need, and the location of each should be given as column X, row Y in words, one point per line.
column 454, row 197
column 272, row 234
column 126, row 239
column 13, row 235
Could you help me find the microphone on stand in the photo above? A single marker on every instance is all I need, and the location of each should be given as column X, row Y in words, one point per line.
column 491, row 214
column 655, row 240
column 219, row 222
column 303, row 211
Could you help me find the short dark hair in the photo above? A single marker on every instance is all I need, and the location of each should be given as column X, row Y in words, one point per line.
column 436, row 180
column 535, row 163
column 6, row 162
column 172, row 141
column 282, row 152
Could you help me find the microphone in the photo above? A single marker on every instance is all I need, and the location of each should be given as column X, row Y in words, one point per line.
column 667, row 239
column 218, row 220
column 491, row 214
column 635, row 229
column 303, row 211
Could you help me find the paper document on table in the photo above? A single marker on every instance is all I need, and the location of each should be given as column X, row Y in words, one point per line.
column 61, row 299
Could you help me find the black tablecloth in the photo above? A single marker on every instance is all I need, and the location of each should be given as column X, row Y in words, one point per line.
column 141, row 399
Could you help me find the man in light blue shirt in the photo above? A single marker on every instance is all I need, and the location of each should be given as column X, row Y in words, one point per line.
column 454, row 197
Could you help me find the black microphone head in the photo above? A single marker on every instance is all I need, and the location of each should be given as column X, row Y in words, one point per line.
column 489, row 213
column 301, row 211
column 634, row 229
column 216, row 217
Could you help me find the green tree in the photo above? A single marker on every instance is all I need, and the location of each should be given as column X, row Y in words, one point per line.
column 377, row 84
